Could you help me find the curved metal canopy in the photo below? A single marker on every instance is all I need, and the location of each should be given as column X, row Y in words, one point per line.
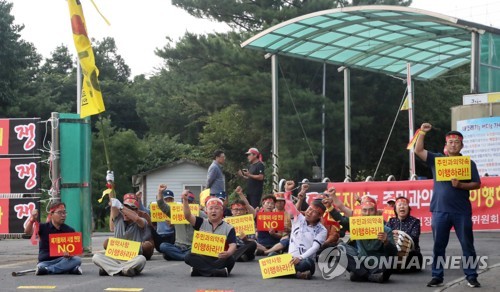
column 375, row 38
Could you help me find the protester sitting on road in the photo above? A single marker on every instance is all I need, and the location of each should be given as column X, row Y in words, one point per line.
column 147, row 244
column 373, row 249
column 332, row 226
column 411, row 226
column 388, row 211
column 183, row 232
column 307, row 236
column 282, row 245
column 55, row 225
column 207, row 266
column 164, row 231
column 267, row 239
column 246, row 244
column 128, row 225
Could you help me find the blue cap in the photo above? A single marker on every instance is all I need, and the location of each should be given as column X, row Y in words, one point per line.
column 167, row 194
column 221, row 195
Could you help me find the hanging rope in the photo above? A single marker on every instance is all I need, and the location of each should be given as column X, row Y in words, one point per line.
column 298, row 116
column 390, row 133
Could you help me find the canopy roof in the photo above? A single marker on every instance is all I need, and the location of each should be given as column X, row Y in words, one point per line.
column 375, row 38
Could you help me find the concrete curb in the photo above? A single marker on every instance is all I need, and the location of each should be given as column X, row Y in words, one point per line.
column 456, row 282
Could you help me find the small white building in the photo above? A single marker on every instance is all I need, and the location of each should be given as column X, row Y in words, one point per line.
column 178, row 176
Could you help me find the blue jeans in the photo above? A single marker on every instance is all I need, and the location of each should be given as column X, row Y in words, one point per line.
column 441, row 226
column 172, row 252
column 61, row 265
column 306, row 264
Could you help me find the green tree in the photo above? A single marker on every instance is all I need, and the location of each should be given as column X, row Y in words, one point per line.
column 56, row 86
column 253, row 14
column 19, row 64
column 119, row 97
column 126, row 151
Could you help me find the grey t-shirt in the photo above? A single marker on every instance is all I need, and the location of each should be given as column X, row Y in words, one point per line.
column 130, row 230
column 183, row 232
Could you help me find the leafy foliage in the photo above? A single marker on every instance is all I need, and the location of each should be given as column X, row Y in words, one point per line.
column 212, row 94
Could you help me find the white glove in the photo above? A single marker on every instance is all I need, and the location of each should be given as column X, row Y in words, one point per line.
column 110, row 176
column 116, row 203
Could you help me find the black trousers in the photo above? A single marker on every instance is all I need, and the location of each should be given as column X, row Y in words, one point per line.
column 247, row 249
column 206, row 265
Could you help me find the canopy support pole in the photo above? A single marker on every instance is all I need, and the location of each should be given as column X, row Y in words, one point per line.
column 274, row 71
column 347, row 120
column 411, row 123
column 323, row 122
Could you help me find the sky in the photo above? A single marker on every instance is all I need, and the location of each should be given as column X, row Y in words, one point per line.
column 140, row 27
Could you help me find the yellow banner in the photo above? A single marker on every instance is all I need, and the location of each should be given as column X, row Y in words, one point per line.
column 276, row 266
column 91, row 102
column 177, row 212
column 122, row 249
column 365, row 227
column 203, row 196
column 457, row 167
column 208, row 244
column 242, row 224
column 157, row 214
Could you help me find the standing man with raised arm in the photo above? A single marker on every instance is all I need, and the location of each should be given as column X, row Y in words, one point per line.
column 215, row 177
column 450, row 207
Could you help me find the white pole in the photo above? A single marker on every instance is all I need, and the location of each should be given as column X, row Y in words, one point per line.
column 347, row 122
column 323, row 119
column 274, row 71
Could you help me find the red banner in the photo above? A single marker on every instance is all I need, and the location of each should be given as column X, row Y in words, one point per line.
column 270, row 220
column 19, row 136
column 20, row 175
column 61, row 243
column 485, row 201
column 4, row 216
column 15, row 213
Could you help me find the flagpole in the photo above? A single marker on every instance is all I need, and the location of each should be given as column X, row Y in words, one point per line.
column 78, row 86
column 411, row 126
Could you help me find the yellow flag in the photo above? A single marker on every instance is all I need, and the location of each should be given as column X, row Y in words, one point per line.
column 405, row 106
column 91, row 102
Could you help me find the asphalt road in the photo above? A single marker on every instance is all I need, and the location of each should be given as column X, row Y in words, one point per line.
column 160, row 275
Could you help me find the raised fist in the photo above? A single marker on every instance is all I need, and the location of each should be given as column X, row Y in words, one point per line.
column 426, row 127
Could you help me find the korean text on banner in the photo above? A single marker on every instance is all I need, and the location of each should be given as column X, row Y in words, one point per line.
column 177, row 212
column 61, row 243
column 270, row 220
column 276, row 266
column 366, row 227
column 122, row 249
column 91, row 102
column 458, row 167
column 242, row 224
column 157, row 214
column 208, row 244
